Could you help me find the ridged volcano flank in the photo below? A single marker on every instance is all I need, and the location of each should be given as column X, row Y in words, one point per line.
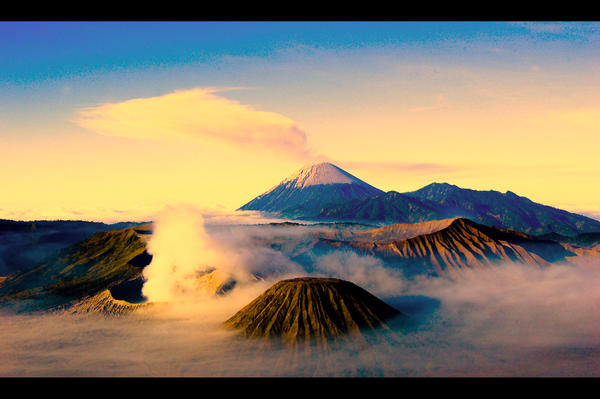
column 104, row 261
column 449, row 245
column 306, row 308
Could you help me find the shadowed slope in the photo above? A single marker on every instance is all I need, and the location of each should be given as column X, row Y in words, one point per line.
column 306, row 309
column 391, row 207
column 583, row 239
column 506, row 210
column 24, row 245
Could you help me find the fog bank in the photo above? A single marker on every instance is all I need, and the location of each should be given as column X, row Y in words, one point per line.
column 512, row 320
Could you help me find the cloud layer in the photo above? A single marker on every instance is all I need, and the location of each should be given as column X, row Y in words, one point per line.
column 512, row 320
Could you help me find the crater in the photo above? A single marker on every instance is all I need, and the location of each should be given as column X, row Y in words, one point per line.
column 129, row 291
column 142, row 260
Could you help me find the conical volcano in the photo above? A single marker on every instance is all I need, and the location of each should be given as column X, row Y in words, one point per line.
column 312, row 187
column 305, row 309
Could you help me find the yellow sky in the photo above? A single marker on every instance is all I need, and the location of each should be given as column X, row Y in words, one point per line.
column 126, row 160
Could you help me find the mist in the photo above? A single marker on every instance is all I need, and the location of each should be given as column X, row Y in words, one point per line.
column 511, row 320
column 508, row 320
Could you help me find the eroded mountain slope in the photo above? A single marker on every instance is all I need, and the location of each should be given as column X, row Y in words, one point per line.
column 451, row 245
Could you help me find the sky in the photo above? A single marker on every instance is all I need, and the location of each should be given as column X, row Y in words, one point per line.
column 113, row 121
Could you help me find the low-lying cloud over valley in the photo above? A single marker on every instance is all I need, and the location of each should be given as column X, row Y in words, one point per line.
column 511, row 319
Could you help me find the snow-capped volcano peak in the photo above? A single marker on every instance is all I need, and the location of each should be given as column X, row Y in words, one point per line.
column 308, row 190
column 321, row 173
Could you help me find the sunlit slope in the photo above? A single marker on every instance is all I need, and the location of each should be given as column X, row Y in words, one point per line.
column 451, row 245
column 102, row 262
column 105, row 303
column 312, row 309
column 402, row 231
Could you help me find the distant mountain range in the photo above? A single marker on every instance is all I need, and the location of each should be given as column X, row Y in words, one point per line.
column 324, row 192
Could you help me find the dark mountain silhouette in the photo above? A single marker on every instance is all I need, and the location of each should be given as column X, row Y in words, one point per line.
column 442, row 200
column 391, row 207
column 583, row 239
column 313, row 310
column 507, row 210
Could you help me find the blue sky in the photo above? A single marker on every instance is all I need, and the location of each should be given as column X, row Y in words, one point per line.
column 52, row 50
column 73, row 64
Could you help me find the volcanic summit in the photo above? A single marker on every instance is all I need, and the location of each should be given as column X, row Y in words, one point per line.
column 313, row 309
column 311, row 188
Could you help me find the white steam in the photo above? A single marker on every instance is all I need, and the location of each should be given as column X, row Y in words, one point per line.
column 188, row 242
column 181, row 250
column 184, row 252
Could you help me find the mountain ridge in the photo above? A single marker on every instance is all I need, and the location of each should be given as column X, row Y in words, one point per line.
column 353, row 202
column 507, row 210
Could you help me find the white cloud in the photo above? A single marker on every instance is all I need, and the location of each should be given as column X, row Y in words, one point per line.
column 199, row 114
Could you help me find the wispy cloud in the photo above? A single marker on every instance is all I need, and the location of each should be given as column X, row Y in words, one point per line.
column 197, row 113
